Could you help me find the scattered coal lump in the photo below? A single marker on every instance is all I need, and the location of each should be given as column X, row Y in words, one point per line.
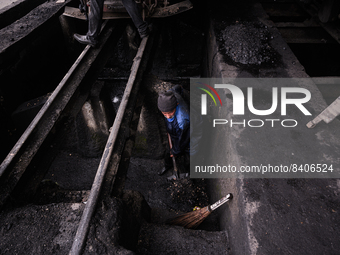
column 247, row 43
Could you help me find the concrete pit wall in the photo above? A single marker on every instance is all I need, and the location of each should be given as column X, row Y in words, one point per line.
column 276, row 215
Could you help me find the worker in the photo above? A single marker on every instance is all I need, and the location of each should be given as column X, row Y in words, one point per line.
column 95, row 21
column 185, row 137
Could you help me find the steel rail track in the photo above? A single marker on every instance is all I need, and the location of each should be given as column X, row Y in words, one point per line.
column 13, row 168
column 80, row 238
column 23, row 152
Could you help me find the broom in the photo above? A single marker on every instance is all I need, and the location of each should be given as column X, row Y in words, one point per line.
column 195, row 218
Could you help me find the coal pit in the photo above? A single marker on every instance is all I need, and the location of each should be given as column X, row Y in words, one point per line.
column 77, row 153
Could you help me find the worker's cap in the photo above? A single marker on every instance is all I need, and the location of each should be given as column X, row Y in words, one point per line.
column 167, row 101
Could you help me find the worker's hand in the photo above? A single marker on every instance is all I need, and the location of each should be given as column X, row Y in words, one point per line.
column 172, row 153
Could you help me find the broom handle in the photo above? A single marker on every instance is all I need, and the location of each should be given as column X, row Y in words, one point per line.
column 220, row 202
column 173, row 158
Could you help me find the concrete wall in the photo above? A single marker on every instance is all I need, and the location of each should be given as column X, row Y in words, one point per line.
column 276, row 215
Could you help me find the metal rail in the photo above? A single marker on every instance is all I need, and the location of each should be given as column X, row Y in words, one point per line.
column 21, row 155
column 80, row 238
column 28, row 145
column 41, row 113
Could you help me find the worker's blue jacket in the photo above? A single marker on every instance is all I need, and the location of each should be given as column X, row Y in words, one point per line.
column 180, row 129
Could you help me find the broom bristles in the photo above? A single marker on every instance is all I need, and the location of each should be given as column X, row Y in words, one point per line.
column 190, row 219
column 193, row 219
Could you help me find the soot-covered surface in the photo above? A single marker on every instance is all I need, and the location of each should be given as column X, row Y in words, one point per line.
column 165, row 198
column 45, row 229
column 168, row 198
column 176, row 240
column 247, row 43
column 178, row 195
